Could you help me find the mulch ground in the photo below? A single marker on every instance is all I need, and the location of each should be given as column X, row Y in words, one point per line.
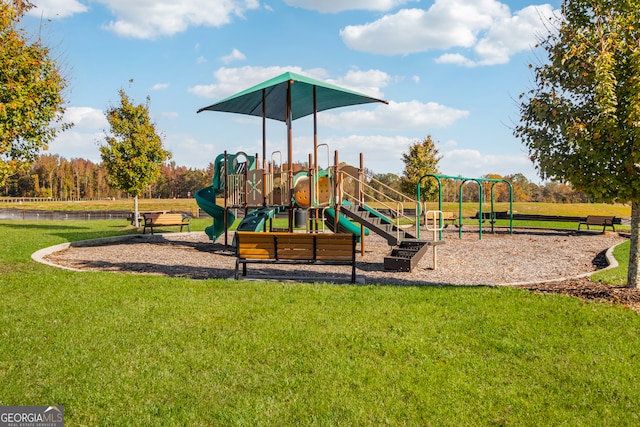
column 585, row 289
column 527, row 259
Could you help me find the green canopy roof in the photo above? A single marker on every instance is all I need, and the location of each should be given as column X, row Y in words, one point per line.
column 328, row 96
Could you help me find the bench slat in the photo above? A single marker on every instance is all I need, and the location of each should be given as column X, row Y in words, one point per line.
column 296, row 256
column 257, row 253
column 333, row 257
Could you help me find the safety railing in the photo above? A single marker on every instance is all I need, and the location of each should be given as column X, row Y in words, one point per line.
column 379, row 197
column 236, row 196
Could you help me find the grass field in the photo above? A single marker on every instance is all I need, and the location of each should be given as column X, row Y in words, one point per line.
column 183, row 205
column 534, row 208
column 119, row 349
column 469, row 209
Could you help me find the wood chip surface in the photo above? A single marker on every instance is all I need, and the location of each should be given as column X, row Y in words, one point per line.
column 544, row 261
column 498, row 259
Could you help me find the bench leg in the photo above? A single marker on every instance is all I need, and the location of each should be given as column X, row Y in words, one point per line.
column 353, row 272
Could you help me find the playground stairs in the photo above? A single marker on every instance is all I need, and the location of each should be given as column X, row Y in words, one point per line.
column 407, row 251
column 376, row 222
column 406, row 255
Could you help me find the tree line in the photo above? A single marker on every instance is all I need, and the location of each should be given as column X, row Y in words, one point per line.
column 57, row 177
column 523, row 189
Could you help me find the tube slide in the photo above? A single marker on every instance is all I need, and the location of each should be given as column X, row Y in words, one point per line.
column 206, row 199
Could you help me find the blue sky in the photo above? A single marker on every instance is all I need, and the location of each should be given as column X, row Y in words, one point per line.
column 452, row 69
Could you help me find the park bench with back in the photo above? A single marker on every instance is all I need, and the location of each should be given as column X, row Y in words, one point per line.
column 295, row 248
column 153, row 220
column 598, row 220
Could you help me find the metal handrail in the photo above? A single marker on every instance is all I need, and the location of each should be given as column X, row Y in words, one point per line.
column 437, row 222
column 395, row 192
column 398, row 212
column 403, row 197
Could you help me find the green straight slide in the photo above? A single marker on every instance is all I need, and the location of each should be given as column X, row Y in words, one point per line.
column 345, row 225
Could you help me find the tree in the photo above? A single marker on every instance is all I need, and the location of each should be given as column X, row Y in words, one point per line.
column 421, row 159
column 46, row 166
column 522, row 188
column 500, row 190
column 385, row 183
column 31, row 86
column 581, row 121
column 134, row 152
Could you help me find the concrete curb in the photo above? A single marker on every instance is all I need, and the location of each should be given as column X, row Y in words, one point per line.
column 39, row 255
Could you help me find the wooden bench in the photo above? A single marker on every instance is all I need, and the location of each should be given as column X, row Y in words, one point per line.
column 295, row 248
column 447, row 218
column 598, row 220
column 165, row 220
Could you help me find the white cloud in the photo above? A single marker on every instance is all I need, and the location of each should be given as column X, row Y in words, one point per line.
column 485, row 26
column 235, row 55
column 51, row 9
column 187, row 151
column 368, row 82
column 412, row 115
column 455, row 59
column 171, row 115
column 233, row 80
column 341, row 6
column 86, row 118
column 452, row 143
column 149, row 19
column 507, row 37
column 473, row 164
column 73, row 145
column 160, row 86
column 83, row 139
column 382, row 154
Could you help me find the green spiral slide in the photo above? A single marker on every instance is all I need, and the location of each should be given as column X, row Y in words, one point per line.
column 206, row 199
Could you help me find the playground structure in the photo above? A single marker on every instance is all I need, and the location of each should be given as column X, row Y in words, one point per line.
column 335, row 197
column 339, row 199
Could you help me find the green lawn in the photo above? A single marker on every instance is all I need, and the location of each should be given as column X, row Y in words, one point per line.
column 119, row 349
